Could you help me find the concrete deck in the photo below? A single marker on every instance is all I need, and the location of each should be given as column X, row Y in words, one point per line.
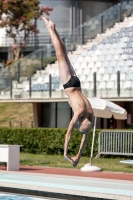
column 67, row 183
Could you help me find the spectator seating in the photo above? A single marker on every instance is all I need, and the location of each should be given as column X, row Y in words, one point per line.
column 107, row 54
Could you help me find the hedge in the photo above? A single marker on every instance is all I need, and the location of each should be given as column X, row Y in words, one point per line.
column 46, row 140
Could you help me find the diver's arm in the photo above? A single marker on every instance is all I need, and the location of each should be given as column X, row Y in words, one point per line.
column 81, row 148
column 68, row 136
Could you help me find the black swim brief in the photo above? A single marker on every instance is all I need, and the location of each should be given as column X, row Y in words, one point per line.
column 73, row 82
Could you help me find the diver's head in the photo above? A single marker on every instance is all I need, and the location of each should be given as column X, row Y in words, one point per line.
column 85, row 125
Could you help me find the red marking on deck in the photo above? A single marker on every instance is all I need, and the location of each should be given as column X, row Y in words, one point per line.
column 74, row 172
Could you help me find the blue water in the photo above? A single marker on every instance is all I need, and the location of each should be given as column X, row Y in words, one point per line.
column 4, row 196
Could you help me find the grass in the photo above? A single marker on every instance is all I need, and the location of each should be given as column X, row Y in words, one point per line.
column 24, row 112
column 106, row 164
column 16, row 112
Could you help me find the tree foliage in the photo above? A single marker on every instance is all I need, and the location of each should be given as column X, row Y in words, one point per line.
column 18, row 18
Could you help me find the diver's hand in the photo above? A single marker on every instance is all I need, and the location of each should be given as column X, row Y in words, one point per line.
column 69, row 159
column 46, row 10
column 75, row 160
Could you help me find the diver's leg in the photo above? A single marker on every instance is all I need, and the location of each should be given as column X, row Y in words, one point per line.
column 65, row 68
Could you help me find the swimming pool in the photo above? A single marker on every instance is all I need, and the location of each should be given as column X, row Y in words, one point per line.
column 8, row 196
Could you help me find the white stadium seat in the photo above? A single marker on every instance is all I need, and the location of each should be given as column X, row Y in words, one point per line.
column 84, row 65
column 46, row 79
column 101, row 70
column 108, row 58
column 76, row 65
column 80, row 59
column 107, row 46
column 129, row 63
column 124, row 39
column 122, row 45
column 113, row 64
column 86, row 85
column 116, row 57
column 127, row 85
column 123, row 57
column 98, row 77
column 116, row 69
column 83, row 78
column 113, row 77
column 118, row 51
column 101, row 58
column 89, row 78
column 40, row 80
column 120, row 63
column 79, row 71
column 105, row 77
column 111, row 52
column 90, row 53
column 97, row 52
column 100, row 46
column 109, row 70
column 104, row 52
column 94, row 59
column 114, row 46
column 130, row 69
column 124, row 70
column 102, row 85
column 105, row 64
column 93, row 70
column 84, row 53
column 129, row 77
column 91, row 64
column 110, row 85
column 122, row 77
column 98, row 64
column 87, row 71
column 87, row 59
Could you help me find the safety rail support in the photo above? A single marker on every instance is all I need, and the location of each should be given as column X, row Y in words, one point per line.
column 115, row 142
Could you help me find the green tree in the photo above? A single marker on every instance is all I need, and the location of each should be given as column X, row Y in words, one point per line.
column 18, row 18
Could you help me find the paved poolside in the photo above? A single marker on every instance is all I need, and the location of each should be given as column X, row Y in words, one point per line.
column 67, row 183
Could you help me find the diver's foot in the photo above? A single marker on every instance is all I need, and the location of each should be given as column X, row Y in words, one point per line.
column 49, row 24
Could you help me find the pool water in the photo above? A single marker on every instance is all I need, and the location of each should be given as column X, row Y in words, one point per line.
column 7, row 196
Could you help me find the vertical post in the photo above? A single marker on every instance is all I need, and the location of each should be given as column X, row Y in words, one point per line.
column 11, row 87
column 32, row 124
column 79, row 16
column 50, row 85
column 80, row 12
column 35, row 34
column 120, row 17
column 101, row 23
column 93, row 138
column 10, row 124
column 118, row 83
column 73, row 13
column 18, row 72
column 94, row 81
column 82, row 34
column 56, row 118
column 42, row 59
column 20, row 124
column 66, row 43
column 30, row 86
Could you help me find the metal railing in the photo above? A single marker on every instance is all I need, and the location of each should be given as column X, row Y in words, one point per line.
column 115, row 143
column 97, row 25
column 84, row 32
column 31, row 41
column 49, row 86
column 17, row 124
column 23, row 69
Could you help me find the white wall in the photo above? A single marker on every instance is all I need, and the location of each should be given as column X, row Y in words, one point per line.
column 2, row 36
column 60, row 15
column 93, row 8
